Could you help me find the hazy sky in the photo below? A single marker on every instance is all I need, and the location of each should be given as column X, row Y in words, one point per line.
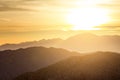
column 24, row 16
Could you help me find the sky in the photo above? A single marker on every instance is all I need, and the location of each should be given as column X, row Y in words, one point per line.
column 24, row 20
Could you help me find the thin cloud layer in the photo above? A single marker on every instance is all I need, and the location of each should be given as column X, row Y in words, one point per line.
column 8, row 8
column 59, row 6
column 4, row 19
column 11, row 5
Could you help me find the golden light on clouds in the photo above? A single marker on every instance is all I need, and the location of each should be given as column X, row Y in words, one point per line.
column 88, row 16
column 28, row 18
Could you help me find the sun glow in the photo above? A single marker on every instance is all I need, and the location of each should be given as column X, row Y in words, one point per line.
column 88, row 17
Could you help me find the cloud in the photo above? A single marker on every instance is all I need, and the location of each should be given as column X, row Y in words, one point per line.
column 109, row 27
column 16, row 5
column 13, row 9
column 4, row 19
column 13, row 5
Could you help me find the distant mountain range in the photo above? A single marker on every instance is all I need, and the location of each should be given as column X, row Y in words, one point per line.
column 17, row 62
column 45, row 43
column 96, row 66
column 82, row 43
column 91, row 43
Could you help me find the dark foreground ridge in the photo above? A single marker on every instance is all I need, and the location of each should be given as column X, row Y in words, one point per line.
column 17, row 62
column 96, row 66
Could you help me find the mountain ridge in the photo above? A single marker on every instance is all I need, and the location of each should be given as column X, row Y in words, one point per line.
column 97, row 66
column 16, row 62
column 79, row 43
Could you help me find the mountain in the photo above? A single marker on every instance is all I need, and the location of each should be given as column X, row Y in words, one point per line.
column 96, row 66
column 91, row 43
column 44, row 42
column 16, row 62
column 81, row 43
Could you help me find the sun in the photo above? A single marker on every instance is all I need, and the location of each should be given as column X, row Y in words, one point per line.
column 87, row 18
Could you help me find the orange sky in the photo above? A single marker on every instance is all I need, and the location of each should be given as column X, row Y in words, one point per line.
column 26, row 16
